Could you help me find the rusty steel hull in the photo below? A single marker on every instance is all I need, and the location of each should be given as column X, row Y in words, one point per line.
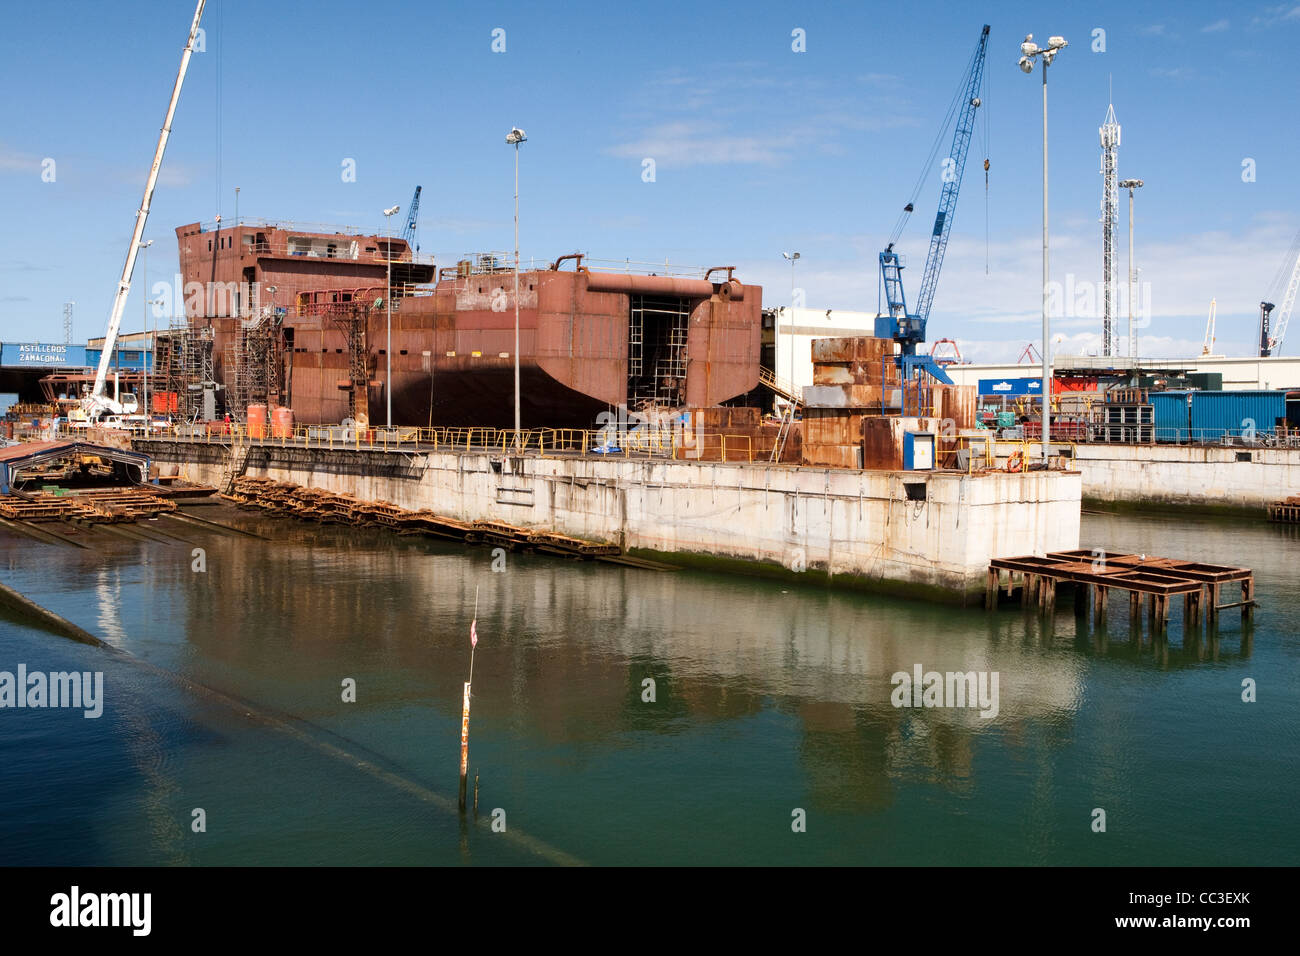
column 453, row 339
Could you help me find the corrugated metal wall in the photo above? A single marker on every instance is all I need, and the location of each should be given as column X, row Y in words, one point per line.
column 1171, row 419
column 1214, row 413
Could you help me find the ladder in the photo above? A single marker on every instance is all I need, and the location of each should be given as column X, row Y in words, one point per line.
column 781, row 389
column 235, row 465
column 787, row 419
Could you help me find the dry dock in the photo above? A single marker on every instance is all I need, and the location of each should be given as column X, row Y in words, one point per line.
column 908, row 532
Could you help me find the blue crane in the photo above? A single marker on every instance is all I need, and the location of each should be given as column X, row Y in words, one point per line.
column 908, row 328
column 412, row 218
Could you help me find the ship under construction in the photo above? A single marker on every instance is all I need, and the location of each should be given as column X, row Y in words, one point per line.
column 300, row 317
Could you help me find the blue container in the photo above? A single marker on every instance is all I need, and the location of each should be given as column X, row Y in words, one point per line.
column 1216, row 414
column 1171, row 416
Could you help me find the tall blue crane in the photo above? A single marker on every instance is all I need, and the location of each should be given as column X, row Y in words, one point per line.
column 412, row 218
column 908, row 328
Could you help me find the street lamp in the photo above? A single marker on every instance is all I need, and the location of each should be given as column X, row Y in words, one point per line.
column 792, row 256
column 1028, row 51
column 389, row 213
column 144, row 297
column 1130, row 185
column 514, row 138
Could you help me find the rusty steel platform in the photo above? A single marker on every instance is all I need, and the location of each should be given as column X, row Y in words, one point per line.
column 1143, row 577
column 1286, row 511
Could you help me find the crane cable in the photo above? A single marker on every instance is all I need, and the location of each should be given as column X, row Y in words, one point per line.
column 944, row 129
column 984, row 102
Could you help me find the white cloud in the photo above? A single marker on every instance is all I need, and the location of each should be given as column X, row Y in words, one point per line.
column 13, row 161
column 696, row 144
column 708, row 117
column 1218, row 26
column 994, row 316
column 1284, row 13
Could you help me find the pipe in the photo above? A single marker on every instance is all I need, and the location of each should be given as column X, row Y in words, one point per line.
column 662, row 285
column 555, row 266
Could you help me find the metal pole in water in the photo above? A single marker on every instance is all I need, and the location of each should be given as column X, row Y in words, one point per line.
column 464, row 713
column 464, row 746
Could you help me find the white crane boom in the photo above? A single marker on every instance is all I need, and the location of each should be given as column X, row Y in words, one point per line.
column 1284, row 311
column 97, row 404
column 1207, row 348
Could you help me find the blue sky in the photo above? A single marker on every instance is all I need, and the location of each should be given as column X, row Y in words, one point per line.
column 757, row 148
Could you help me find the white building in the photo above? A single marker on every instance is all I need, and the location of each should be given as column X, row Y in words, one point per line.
column 793, row 330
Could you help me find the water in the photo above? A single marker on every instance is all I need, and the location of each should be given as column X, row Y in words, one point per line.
column 770, row 698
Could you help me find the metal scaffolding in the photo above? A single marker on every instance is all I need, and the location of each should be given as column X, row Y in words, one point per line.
column 252, row 363
column 658, row 328
column 183, row 365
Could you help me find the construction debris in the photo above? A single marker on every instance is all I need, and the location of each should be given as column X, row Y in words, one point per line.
column 327, row 507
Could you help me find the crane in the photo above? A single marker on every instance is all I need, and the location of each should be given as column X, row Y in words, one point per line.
column 96, row 405
column 1208, row 347
column 412, row 218
column 908, row 328
column 1285, row 292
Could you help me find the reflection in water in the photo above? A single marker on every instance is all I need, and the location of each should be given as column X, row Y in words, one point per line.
column 108, row 594
column 766, row 696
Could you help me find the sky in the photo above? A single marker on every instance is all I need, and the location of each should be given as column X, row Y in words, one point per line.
column 758, row 147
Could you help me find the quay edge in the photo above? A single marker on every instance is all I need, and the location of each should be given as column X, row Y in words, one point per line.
column 918, row 534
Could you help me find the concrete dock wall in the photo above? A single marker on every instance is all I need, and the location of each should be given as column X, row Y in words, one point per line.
column 857, row 528
column 1187, row 476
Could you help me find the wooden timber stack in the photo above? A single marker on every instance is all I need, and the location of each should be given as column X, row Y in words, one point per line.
column 315, row 504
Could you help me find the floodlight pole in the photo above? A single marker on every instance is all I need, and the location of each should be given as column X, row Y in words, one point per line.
column 1047, row 322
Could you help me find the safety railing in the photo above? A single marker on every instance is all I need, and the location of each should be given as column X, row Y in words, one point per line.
column 667, row 443
column 987, row 453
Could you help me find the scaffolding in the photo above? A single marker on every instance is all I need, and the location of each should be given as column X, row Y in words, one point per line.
column 253, row 362
column 658, row 327
column 183, row 365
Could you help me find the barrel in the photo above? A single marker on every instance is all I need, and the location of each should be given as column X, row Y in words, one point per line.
column 256, row 417
column 282, row 422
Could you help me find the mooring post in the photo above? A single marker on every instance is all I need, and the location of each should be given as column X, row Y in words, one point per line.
column 1026, row 589
column 1248, row 599
column 1099, row 605
column 1135, row 609
column 991, row 590
column 1212, row 612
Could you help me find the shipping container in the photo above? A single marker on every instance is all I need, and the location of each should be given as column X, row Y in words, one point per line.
column 1171, row 416
column 1216, row 414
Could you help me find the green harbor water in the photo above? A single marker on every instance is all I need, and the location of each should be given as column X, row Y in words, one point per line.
column 770, row 698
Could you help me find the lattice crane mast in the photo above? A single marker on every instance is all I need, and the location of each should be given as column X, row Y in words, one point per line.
column 908, row 328
column 1271, row 344
column 412, row 219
